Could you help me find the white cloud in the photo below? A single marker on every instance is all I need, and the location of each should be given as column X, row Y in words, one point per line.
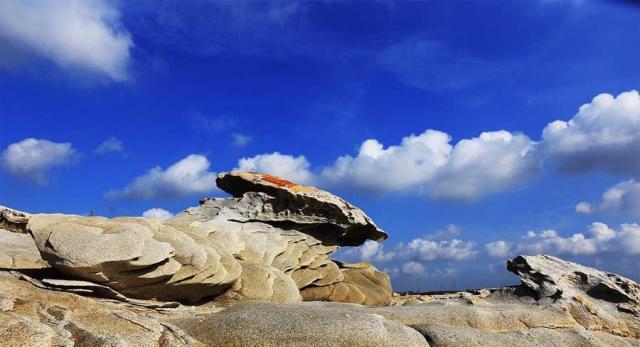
column 427, row 163
column 599, row 239
column 109, row 145
column 490, row 163
column 157, row 214
column 85, row 35
column 603, row 135
column 623, row 197
column 584, row 208
column 424, row 249
column 240, row 140
column 370, row 251
column 451, row 232
column 498, row 249
column 292, row 168
column 413, row 268
column 188, row 176
column 32, row 159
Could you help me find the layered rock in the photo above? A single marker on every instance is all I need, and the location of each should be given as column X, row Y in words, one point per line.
column 271, row 241
column 312, row 210
column 510, row 316
column 556, row 278
column 17, row 251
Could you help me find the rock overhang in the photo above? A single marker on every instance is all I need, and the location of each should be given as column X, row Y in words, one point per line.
column 307, row 208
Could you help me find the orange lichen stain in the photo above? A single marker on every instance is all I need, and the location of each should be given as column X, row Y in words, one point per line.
column 278, row 181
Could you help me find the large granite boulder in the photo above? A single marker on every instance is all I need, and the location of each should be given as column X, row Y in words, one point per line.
column 272, row 241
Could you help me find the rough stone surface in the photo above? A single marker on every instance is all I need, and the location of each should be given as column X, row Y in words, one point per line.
column 17, row 251
column 246, row 263
column 553, row 277
column 271, row 242
column 299, row 324
column 13, row 221
column 31, row 314
column 311, row 208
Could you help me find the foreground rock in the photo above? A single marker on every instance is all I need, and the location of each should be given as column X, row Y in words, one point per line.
column 17, row 251
column 511, row 316
column 272, row 241
column 234, row 272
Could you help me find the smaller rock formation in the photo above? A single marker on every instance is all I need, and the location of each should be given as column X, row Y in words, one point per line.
column 556, row 278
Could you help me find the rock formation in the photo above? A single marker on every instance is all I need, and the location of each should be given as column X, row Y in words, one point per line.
column 234, row 271
column 271, row 241
column 43, row 312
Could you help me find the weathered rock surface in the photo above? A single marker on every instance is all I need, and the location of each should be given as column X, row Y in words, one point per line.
column 30, row 314
column 271, row 242
column 247, row 262
column 13, row 221
column 298, row 324
column 312, row 209
column 556, row 278
column 17, row 251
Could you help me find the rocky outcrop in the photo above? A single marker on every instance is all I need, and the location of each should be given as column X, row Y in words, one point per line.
column 233, row 271
column 38, row 311
column 271, row 241
column 17, row 251
column 312, row 210
column 298, row 324
column 556, row 278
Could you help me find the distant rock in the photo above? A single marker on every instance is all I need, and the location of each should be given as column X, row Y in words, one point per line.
column 556, row 278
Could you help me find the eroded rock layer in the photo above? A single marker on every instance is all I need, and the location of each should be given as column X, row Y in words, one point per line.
column 272, row 241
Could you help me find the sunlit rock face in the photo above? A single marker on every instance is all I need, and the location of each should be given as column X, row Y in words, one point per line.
column 271, row 241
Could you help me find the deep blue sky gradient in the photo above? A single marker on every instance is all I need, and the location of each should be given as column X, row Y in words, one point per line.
column 317, row 80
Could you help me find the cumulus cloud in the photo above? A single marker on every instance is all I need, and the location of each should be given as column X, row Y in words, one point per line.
column 428, row 248
column 190, row 175
column 584, row 207
column 32, row 159
column 157, row 214
column 85, row 35
column 109, row 145
column 287, row 166
column 498, row 249
column 428, row 163
column 600, row 239
column 413, row 268
column 603, row 135
column 425, row 249
column 370, row 251
column 622, row 197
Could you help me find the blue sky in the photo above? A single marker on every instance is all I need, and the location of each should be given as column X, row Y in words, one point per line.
column 436, row 118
